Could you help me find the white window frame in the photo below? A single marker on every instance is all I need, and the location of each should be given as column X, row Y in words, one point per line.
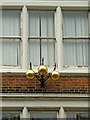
column 47, row 5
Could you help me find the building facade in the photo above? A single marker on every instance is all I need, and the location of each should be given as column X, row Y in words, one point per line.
column 57, row 31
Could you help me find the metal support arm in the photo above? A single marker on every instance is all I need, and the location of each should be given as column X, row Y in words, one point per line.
column 42, row 78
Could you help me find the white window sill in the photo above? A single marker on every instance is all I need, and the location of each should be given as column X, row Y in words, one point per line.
column 75, row 70
column 18, row 69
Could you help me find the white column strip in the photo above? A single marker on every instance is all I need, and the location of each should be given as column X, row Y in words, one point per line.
column 59, row 38
column 25, row 113
column 24, row 33
column 89, row 39
column 61, row 113
column 89, row 21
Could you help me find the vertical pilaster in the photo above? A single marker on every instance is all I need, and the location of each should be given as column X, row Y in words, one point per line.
column 24, row 34
column 24, row 113
column 89, row 22
column 61, row 113
column 89, row 38
column 59, row 38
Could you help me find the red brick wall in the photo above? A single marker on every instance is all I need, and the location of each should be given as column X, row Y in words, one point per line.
column 68, row 83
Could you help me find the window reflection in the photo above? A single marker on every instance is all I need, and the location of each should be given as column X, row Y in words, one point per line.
column 43, row 116
column 78, row 116
column 10, row 116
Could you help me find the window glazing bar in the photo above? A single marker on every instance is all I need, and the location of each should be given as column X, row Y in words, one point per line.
column 10, row 37
column 76, row 37
column 40, row 41
column 42, row 38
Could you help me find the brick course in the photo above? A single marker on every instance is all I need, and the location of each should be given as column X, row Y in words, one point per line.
column 78, row 84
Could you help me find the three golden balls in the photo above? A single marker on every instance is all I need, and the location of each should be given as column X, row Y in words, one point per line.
column 30, row 74
column 42, row 70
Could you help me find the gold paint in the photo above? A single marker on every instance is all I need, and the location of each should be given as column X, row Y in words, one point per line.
column 42, row 70
column 30, row 74
column 55, row 75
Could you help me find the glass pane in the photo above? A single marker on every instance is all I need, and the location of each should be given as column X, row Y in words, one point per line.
column 10, row 51
column 43, row 116
column 10, row 23
column 76, row 52
column 75, row 24
column 34, row 51
column 10, row 116
column 41, row 24
column 78, row 116
column 42, row 48
column 48, row 51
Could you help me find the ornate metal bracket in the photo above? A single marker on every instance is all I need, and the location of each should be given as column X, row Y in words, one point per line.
column 42, row 74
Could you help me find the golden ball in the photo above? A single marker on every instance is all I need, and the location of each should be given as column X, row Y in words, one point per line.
column 30, row 74
column 55, row 75
column 42, row 70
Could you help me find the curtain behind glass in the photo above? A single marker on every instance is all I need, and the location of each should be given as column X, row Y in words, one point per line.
column 42, row 25
column 10, row 52
column 10, row 47
column 10, row 23
column 75, row 51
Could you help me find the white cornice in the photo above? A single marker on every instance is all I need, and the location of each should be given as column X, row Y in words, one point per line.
column 45, row 3
column 46, row 102
column 44, row 96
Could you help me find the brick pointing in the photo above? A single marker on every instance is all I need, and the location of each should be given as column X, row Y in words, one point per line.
column 66, row 84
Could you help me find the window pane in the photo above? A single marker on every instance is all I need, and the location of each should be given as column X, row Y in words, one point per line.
column 48, row 51
column 34, row 48
column 78, row 116
column 10, row 116
column 76, row 52
column 10, row 51
column 75, row 24
column 41, row 24
column 43, row 116
column 47, row 48
column 10, row 23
